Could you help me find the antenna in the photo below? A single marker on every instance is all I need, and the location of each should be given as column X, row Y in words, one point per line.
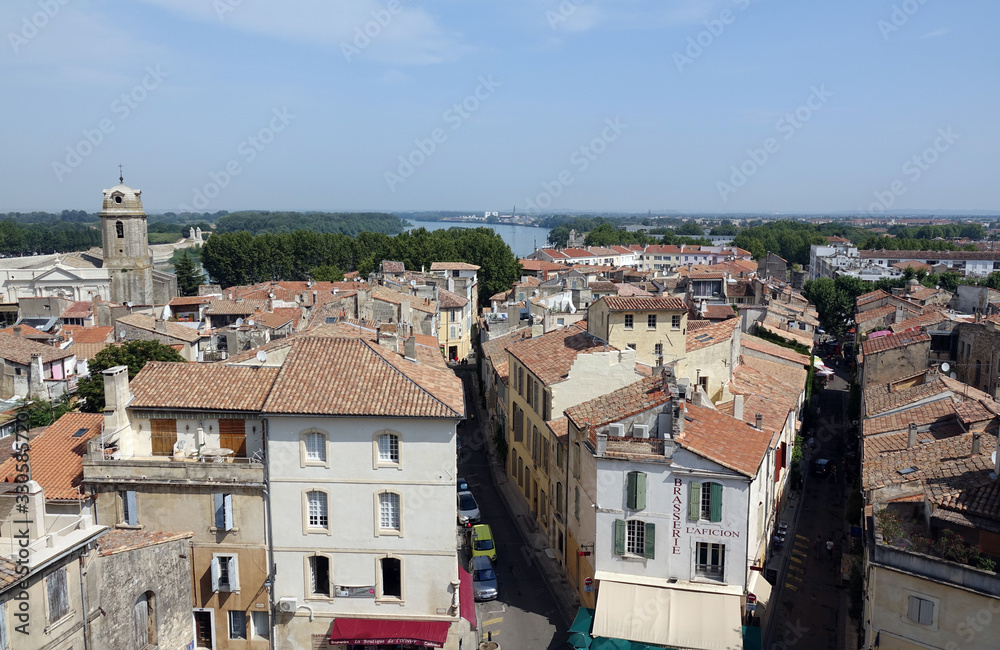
column 121, row 174
column 945, row 367
column 261, row 356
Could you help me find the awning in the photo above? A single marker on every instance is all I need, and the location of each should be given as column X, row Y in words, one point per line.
column 466, row 601
column 370, row 631
column 579, row 631
column 668, row 616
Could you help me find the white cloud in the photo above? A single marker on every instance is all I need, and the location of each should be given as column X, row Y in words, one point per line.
column 935, row 33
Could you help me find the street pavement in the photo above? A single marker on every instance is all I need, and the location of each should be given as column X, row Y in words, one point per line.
column 811, row 599
column 525, row 616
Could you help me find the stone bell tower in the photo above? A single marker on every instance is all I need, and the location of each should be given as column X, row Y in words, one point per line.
column 126, row 245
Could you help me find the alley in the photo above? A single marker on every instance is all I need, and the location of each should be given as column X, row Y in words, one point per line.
column 524, row 616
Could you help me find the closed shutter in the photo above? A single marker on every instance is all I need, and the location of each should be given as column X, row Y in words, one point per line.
column 131, row 512
column 233, row 435
column 635, row 487
column 694, row 500
column 3, row 626
column 223, row 511
column 140, row 623
column 619, row 537
column 913, row 609
column 164, row 435
column 926, row 612
column 58, row 598
column 777, row 464
column 716, row 514
column 650, row 541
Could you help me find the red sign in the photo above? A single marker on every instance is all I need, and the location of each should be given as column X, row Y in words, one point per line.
column 587, row 582
column 751, row 597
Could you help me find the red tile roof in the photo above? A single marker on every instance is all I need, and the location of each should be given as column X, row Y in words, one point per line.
column 120, row 540
column 19, row 350
column 615, row 406
column 396, row 298
column 893, row 341
column 182, row 301
column 551, row 356
column 178, row 385
column 724, row 439
column 712, row 334
column 871, row 296
column 80, row 309
column 57, row 456
column 95, row 334
column 773, row 349
column 642, row 303
column 173, row 330
column 873, row 314
column 718, row 312
column 450, row 300
column 327, row 376
column 453, row 266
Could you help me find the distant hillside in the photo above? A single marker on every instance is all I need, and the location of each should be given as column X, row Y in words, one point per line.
column 347, row 223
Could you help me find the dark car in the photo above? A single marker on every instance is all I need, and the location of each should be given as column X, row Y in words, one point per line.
column 821, row 467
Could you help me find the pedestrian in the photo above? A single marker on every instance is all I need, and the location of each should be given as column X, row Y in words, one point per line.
column 829, row 548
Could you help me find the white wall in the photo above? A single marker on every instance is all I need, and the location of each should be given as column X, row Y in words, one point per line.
column 593, row 375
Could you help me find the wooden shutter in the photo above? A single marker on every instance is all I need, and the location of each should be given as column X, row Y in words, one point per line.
column 164, row 435
column 619, row 537
column 140, row 622
column 640, row 491
column 694, row 501
column 223, row 511
column 630, row 481
column 131, row 512
column 216, row 572
column 650, row 541
column 913, row 609
column 233, row 435
column 716, row 507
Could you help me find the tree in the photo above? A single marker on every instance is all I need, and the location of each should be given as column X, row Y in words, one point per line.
column 725, row 229
column 188, row 277
column 834, row 304
column 134, row 354
column 691, row 229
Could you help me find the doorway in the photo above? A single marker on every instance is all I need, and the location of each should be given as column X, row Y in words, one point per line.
column 203, row 629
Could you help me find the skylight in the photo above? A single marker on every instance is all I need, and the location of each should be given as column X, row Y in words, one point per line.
column 907, row 471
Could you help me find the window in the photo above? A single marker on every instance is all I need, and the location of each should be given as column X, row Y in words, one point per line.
column 628, row 321
column 163, row 436
column 576, row 502
column 635, row 490
column 261, row 625
column 631, row 346
column 315, row 447
column 144, row 620
column 3, row 627
column 546, row 407
column 710, row 561
column 559, row 500
column 536, row 446
column 651, row 321
column 635, row 537
column 130, row 511
column 58, row 598
column 120, row 228
column 535, row 403
column 520, row 382
column 225, row 573
column 705, row 501
column 233, row 435
column 703, row 382
column 223, row 511
column 391, row 574
column 388, row 449
column 317, row 509
column 518, row 424
column 675, row 322
column 920, row 610
column 237, row 624
column 545, row 454
column 658, row 350
column 388, row 512
column 319, row 575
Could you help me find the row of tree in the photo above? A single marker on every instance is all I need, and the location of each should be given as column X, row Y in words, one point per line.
column 240, row 258
column 258, row 222
column 43, row 239
column 907, row 244
column 972, row 231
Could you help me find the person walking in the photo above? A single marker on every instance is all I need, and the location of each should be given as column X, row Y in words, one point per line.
column 829, row 548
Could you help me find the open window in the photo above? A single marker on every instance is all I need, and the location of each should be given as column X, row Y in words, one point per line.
column 225, row 573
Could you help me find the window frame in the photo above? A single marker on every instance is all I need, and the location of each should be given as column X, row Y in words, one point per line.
column 229, row 625
column 232, row 561
column 223, row 502
column 380, row 596
column 128, row 509
column 627, row 537
column 629, row 321
column 698, row 501
column 308, row 560
column 380, row 531
column 304, row 459
column 48, row 596
column 650, row 321
column 308, row 529
column 255, row 634
column 705, row 574
column 676, row 320
column 377, row 460
column 933, row 603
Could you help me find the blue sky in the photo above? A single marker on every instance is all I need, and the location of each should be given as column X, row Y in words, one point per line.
column 628, row 105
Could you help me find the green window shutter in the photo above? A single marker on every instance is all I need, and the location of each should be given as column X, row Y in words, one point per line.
column 640, row 491
column 716, row 502
column 694, row 500
column 619, row 537
column 650, row 541
column 630, row 490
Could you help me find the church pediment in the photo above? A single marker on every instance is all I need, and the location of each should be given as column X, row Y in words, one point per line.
column 58, row 274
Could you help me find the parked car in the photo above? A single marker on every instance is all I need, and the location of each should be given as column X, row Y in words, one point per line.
column 463, row 485
column 820, row 467
column 468, row 509
column 482, row 542
column 484, row 578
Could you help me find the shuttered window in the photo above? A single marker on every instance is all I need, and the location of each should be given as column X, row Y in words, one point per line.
column 223, row 511
column 705, row 501
column 635, row 490
column 233, row 435
column 130, row 510
column 164, row 435
column 58, row 598
column 920, row 610
column 635, row 537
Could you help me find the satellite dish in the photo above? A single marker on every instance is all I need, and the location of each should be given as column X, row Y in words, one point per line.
column 121, row 334
column 953, row 376
column 250, row 322
column 261, row 356
column 993, row 458
column 239, row 322
column 945, row 367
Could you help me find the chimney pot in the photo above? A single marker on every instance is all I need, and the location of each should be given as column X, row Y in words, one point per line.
column 912, row 438
column 17, row 330
column 738, row 407
column 760, row 421
column 975, row 443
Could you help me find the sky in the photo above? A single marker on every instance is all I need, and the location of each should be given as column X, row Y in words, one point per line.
column 768, row 106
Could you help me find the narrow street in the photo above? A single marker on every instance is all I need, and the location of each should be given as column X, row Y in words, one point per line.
column 524, row 616
column 812, row 595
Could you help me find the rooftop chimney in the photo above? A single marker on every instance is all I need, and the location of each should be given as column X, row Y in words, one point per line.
column 738, row 407
column 410, row 348
column 161, row 325
column 975, row 443
column 911, row 440
column 17, row 330
column 760, row 421
column 602, row 444
column 116, row 398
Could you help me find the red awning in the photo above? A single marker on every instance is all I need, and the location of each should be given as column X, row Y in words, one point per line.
column 465, row 597
column 362, row 631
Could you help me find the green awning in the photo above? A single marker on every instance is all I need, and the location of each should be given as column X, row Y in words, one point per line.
column 579, row 631
column 752, row 638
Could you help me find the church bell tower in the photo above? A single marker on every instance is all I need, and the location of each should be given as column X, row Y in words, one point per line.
column 125, row 243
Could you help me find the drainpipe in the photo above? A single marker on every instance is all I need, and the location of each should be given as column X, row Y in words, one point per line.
column 83, row 597
column 270, row 536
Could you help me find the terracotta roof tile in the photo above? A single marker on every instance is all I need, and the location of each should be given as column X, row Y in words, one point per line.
column 551, row 356
column 120, row 540
column 95, row 334
column 639, row 303
column 450, row 300
column 629, row 290
column 19, row 350
column 893, row 341
column 872, row 314
column 240, row 307
column 27, row 331
column 712, row 334
column 615, row 406
column 496, row 349
column 395, row 297
column 212, row 386
column 724, row 439
column 87, row 351
column 328, row 376
column 182, row 301
column 173, row 330
column 80, row 309
column 57, row 455
column 453, row 266
column 871, row 296
column 773, row 349
column 940, row 411
column 719, row 312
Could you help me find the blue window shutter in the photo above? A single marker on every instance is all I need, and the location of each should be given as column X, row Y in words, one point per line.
column 220, row 517
column 227, row 508
column 131, row 513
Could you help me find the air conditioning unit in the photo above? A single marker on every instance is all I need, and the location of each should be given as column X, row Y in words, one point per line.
column 617, row 430
column 640, row 431
column 288, row 605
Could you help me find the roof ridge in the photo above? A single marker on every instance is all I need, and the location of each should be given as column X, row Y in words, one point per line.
column 378, row 353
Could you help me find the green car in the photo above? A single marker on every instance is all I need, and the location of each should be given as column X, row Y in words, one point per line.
column 482, row 542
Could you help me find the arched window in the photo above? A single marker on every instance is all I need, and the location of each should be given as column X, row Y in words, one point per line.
column 389, row 513
column 144, row 621
column 120, row 229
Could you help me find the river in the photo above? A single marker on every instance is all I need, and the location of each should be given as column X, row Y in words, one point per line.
column 521, row 239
